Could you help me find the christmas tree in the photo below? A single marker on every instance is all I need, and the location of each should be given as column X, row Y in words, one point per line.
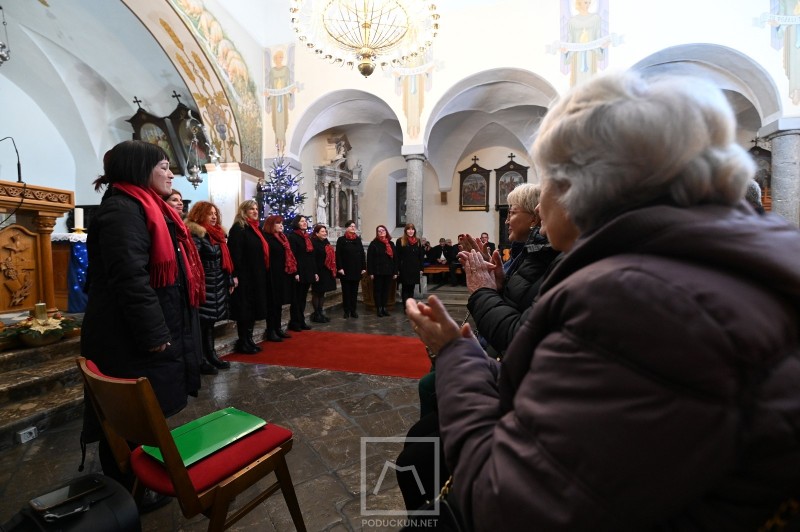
column 278, row 194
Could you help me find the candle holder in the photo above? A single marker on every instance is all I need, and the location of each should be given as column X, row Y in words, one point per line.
column 79, row 230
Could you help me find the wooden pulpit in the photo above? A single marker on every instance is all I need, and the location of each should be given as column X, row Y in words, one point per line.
column 28, row 214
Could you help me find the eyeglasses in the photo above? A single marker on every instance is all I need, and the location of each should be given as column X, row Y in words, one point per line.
column 513, row 213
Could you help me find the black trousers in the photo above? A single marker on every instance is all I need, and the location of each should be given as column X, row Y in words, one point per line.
column 274, row 310
column 380, row 289
column 297, row 310
column 349, row 295
column 406, row 292
column 423, row 457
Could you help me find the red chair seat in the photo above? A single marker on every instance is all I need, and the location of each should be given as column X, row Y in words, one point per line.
column 216, row 467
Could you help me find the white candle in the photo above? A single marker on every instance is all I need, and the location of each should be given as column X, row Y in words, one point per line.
column 79, row 217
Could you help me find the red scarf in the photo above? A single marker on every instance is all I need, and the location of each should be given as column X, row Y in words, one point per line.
column 350, row 236
column 412, row 240
column 218, row 238
column 388, row 244
column 163, row 263
column 291, row 262
column 264, row 247
column 330, row 257
column 304, row 234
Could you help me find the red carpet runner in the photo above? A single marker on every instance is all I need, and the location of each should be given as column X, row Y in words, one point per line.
column 396, row 356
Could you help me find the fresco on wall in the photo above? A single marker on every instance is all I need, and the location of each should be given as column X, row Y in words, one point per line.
column 412, row 83
column 231, row 67
column 280, row 88
column 584, row 39
column 783, row 18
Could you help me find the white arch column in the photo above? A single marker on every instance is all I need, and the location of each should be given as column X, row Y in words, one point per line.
column 415, row 167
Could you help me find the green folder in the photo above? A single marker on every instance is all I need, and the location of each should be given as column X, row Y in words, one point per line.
column 206, row 435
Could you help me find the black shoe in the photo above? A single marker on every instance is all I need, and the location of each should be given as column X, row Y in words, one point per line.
column 218, row 363
column 272, row 336
column 283, row 334
column 317, row 318
column 244, row 348
column 295, row 328
column 346, row 315
column 207, row 369
column 324, row 318
column 305, row 327
column 152, row 501
column 354, row 314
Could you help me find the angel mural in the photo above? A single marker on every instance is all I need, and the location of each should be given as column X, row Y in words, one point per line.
column 785, row 17
column 412, row 83
column 280, row 89
column 584, row 38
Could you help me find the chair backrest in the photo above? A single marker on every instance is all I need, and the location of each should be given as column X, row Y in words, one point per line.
column 128, row 411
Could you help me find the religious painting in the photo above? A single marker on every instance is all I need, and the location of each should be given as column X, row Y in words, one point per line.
column 782, row 22
column 155, row 130
column 507, row 178
column 280, row 89
column 474, row 189
column 400, row 204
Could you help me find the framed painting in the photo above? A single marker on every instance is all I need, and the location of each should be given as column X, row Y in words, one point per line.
column 507, row 178
column 400, row 204
column 474, row 188
column 156, row 130
column 186, row 124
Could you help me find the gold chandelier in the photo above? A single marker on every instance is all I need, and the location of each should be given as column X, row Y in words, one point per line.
column 363, row 32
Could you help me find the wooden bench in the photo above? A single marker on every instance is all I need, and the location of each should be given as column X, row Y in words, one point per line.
column 433, row 269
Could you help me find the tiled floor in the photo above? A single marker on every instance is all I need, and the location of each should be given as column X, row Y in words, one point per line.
column 329, row 412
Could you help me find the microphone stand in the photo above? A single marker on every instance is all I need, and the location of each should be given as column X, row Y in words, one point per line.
column 19, row 165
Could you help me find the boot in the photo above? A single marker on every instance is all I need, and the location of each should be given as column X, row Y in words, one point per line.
column 317, row 318
column 353, row 314
column 251, row 342
column 245, row 339
column 283, row 334
column 271, row 336
column 324, row 317
column 207, row 369
column 211, row 353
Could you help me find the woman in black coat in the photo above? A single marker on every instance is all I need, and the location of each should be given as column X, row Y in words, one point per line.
column 303, row 250
column 250, row 255
column 410, row 259
column 205, row 226
column 352, row 264
column 325, row 259
column 282, row 267
column 144, row 282
column 382, row 267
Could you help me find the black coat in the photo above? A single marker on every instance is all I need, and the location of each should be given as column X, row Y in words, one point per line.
column 280, row 282
column 327, row 281
column 435, row 253
column 249, row 300
column 409, row 262
column 125, row 316
column 218, row 281
column 378, row 261
column 351, row 258
column 306, row 266
column 498, row 315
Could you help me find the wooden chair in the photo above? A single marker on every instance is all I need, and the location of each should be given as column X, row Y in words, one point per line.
column 129, row 412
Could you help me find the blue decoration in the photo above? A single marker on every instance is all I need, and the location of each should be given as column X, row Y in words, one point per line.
column 76, row 277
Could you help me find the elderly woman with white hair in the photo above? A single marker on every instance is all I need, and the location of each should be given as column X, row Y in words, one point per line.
column 654, row 384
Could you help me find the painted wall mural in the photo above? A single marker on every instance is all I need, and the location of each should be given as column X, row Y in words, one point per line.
column 280, row 88
column 412, row 83
column 585, row 39
column 783, row 19
column 230, row 65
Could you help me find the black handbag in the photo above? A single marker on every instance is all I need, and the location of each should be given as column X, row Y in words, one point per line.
column 447, row 520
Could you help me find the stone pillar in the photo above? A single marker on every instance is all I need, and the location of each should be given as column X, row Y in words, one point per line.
column 786, row 174
column 414, row 175
column 335, row 221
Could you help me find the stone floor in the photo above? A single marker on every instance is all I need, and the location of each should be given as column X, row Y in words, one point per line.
column 330, row 413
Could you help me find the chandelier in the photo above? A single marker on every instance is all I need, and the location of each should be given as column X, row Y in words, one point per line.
column 5, row 50
column 193, row 168
column 365, row 32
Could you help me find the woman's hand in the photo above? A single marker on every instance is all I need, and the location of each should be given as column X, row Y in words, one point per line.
column 297, row 278
column 372, row 277
column 479, row 273
column 233, row 285
column 316, row 278
column 341, row 272
column 433, row 324
column 160, row 348
column 469, row 243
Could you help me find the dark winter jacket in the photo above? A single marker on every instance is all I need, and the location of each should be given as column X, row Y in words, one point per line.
column 125, row 316
column 351, row 258
column 498, row 315
column 280, row 282
column 378, row 261
column 653, row 386
column 327, row 281
column 249, row 301
column 218, row 281
column 409, row 262
column 306, row 266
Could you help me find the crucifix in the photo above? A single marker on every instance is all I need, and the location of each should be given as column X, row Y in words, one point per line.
column 475, row 159
column 176, row 96
column 511, row 156
column 137, row 101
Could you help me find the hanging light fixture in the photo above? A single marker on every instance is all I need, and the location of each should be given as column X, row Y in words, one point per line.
column 193, row 168
column 365, row 32
column 5, row 49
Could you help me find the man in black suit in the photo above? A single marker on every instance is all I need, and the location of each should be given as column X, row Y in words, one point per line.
column 438, row 255
column 490, row 247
